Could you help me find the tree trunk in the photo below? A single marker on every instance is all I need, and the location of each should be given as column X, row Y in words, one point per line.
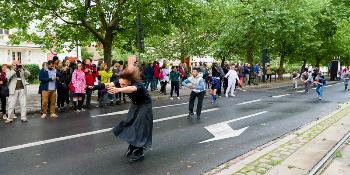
column 280, row 69
column 302, row 67
column 107, row 48
column 223, row 59
column 318, row 60
column 250, row 55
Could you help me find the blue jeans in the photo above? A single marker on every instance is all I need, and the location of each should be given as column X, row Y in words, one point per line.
column 154, row 83
column 148, row 82
column 319, row 90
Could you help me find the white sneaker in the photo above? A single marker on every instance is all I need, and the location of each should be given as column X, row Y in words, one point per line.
column 43, row 116
column 14, row 116
column 53, row 116
column 8, row 121
column 171, row 98
column 178, row 98
column 4, row 117
column 82, row 109
column 233, row 95
column 78, row 110
column 226, row 95
column 24, row 119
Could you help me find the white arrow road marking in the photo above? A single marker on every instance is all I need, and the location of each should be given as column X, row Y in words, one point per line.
column 248, row 102
column 59, row 139
column 223, row 130
column 279, row 96
column 126, row 111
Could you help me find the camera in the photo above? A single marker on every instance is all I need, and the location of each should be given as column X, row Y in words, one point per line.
column 18, row 66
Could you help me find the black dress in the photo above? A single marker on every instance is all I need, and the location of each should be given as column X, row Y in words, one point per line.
column 137, row 128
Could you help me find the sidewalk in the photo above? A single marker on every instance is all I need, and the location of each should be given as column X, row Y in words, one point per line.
column 296, row 153
column 33, row 98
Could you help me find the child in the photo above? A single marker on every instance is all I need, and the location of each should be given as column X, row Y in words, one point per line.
column 295, row 80
column 320, row 81
column 197, row 84
column 174, row 78
column 232, row 77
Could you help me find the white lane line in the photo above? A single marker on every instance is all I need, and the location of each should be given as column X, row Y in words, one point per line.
column 182, row 115
column 170, row 105
column 11, row 148
column 301, row 91
column 279, row 96
column 126, row 111
column 43, row 142
column 248, row 102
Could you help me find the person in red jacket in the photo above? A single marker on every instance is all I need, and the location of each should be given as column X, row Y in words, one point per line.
column 90, row 75
column 156, row 71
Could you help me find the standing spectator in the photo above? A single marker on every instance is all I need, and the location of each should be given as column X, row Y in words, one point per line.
column 148, row 72
column 268, row 72
column 17, row 90
column 48, row 79
column 164, row 78
column 240, row 74
column 105, row 78
column 62, row 86
column 156, row 71
column 182, row 74
column 90, row 76
column 256, row 73
column 225, row 69
column 174, row 78
column 79, row 84
column 205, row 72
column 232, row 77
column 294, row 77
column 4, row 91
column 42, row 70
column 346, row 78
column 247, row 74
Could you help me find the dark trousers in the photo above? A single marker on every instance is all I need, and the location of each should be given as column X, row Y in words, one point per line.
column 3, row 105
column 88, row 97
column 193, row 97
column 268, row 76
column 61, row 97
column 219, row 88
column 163, row 87
column 148, row 82
column 175, row 86
column 225, row 85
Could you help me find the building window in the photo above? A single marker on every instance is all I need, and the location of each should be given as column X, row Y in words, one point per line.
column 4, row 31
column 17, row 56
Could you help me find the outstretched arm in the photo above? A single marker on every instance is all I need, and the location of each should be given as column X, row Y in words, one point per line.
column 126, row 90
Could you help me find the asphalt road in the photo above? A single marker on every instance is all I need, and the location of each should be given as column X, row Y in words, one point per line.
column 68, row 145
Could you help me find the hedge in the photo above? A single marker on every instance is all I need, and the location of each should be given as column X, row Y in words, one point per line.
column 34, row 72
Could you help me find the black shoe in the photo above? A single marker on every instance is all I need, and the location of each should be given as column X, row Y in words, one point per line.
column 191, row 114
column 118, row 102
column 124, row 100
column 198, row 117
column 137, row 158
column 128, row 153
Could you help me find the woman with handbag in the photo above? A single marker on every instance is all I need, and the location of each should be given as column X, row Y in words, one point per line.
column 4, row 91
column 77, row 86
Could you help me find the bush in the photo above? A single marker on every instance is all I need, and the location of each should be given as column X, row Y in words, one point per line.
column 34, row 72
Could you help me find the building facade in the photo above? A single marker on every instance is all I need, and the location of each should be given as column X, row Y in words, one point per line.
column 28, row 53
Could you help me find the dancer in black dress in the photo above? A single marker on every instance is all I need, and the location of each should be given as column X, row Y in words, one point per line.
column 136, row 129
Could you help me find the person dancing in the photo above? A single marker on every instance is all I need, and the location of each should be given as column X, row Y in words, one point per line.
column 136, row 128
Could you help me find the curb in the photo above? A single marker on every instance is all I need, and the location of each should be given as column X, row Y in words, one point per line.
column 268, row 156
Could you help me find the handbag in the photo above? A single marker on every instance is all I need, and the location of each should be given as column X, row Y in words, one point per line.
column 71, row 86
